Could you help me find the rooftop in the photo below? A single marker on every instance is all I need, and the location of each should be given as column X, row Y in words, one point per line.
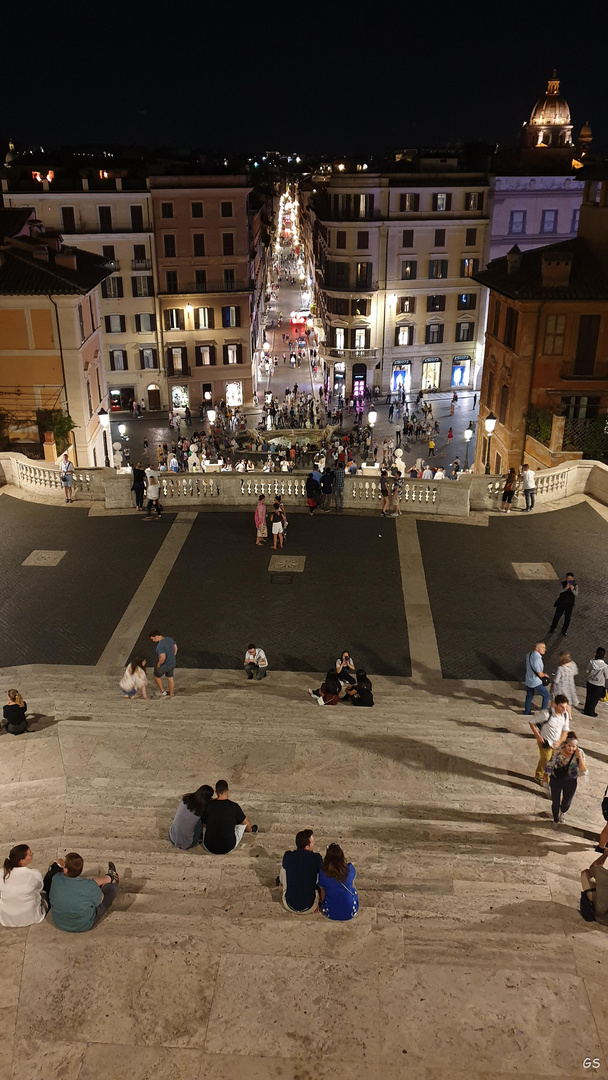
column 588, row 280
column 35, row 266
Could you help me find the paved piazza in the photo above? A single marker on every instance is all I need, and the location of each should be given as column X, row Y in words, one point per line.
column 468, row 959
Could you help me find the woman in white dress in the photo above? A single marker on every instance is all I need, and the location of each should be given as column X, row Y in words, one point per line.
column 563, row 680
column 21, row 899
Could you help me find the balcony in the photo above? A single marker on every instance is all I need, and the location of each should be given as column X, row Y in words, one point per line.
column 190, row 287
column 355, row 354
column 141, row 264
column 339, row 286
column 568, row 371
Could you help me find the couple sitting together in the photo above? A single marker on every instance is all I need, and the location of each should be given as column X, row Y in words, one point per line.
column 355, row 683
column 217, row 823
column 312, row 884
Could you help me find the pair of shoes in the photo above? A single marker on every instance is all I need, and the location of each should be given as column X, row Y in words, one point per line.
column 112, row 873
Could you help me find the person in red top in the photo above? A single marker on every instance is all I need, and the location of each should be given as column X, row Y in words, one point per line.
column 329, row 690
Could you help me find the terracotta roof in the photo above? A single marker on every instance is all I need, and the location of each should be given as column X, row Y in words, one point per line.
column 588, row 278
column 13, row 220
column 21, row 274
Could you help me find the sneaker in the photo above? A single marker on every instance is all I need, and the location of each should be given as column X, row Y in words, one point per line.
column 254, row 828
column 537, row 780
column 163, row 693
column 112, row 873
column 561, row 819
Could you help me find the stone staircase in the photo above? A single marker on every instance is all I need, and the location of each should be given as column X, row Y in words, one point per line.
column 468, row 953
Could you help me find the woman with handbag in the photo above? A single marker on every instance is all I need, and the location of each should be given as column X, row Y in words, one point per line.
column 338, row 896
column 567, row 764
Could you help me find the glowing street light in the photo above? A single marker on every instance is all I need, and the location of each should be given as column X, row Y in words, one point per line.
column 490, row 424
column 468, row 435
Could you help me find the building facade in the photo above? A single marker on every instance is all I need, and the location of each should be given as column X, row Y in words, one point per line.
column 51, row 361
column 112, row 217
column 395, row 256
column 545, row 374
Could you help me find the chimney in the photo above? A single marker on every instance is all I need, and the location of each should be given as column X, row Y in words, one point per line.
column 556, row 270
column 67, row 257
column 514, row 260
column 40, row 252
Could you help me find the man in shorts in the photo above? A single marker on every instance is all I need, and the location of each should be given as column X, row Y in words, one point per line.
column 166, row 651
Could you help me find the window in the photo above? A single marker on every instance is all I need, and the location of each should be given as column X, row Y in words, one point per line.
column 340, row 334
column 581, row 407
column 364, row 275
column 231, row 316
column 517, row 222
column 406, row 305
column 196, row 209
column 232, row 354
column 574, row 222
column 118, row 359
column 115, row 324
column 198, row 243
column 358, row 307
column 435, row 303
column 137, row 218
column 439, row 238
column 473, row 200
column 204, row 355
column 362, row 241
column 68, row 219
column 227, row 243
column 490, row 390
column 510, row 335
column 200, row 280
column 174, row 319
column 169, row 245
column 408, row 270
column 555, row 328
column 407, row 240
column 504, row 402
column 171, row 278
column 338, row 305
column 467, row 301
column 360, row 338
column 438, row 268
column 105, row 218
column 465, row 331
column 176, row 358
column 471, row 237
column 586, row 346
column 142, row 285
column 405, row 335
column 496, row 319
column 363, row 206
column 548, row 221
column 203, row 318
column 147, row 358
column 89, row 401
column 409, row 202
column 111, row 288
column 109, row 252
column 229, row 281
column 166, row 209
column 442, row 201
column 341, row 239
column 434, row 334
column 234, row 394
column 226, row 209
column 146, row 322
column 468, row 267
column 81, row 322
column 139, row 257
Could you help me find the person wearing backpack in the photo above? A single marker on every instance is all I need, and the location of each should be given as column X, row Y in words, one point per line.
column 594, row 895
column 550, row 731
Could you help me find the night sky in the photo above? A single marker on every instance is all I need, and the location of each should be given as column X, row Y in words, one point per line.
column 313, row 78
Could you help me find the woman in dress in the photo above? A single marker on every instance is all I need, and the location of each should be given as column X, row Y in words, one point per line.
column 338, row 896
column 134, row 681
column 21, row 888
column 14, row 713
column 563, row 680
column 139, row 479
column 565, row 767
column 187, row 827
column 261, row 532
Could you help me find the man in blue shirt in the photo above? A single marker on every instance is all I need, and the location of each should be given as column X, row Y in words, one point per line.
column 299, row 875
column 166, row 651
column 534, row 678
column 78, row 903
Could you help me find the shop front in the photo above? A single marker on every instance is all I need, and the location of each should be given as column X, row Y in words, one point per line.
column 359, row 380
column 180, row 396
column 401, row 378
column 121, row 398
column 339, row 379
column 431, row 374
column 234, row 393
column 461, row 372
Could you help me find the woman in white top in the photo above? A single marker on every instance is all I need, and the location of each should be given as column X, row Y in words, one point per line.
column 21, row 900
column 563, row 680
column 134, row 681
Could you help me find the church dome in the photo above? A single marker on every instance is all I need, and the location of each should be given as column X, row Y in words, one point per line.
column 552, row 108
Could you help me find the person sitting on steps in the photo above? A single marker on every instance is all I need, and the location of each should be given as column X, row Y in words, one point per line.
column 256, row 663
column 299, row 875
column 77, row 903
column 225, row 822
column 187, row 827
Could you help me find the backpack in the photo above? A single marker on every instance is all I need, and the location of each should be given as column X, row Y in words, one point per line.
column 587, row 907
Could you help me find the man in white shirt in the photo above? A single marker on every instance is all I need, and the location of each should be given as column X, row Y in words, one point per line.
column 255, row 663
column 529, row 481
column 427, row 474
column 153, row 490
column 550, row 732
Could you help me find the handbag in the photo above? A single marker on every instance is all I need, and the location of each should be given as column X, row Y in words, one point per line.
column 545, row 680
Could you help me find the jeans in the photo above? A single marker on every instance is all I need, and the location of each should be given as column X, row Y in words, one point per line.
column 562, row 788
column 529, row 495
column 110, row 893
column 566, row 611
column 339, row 498
column 255, row 670
column 594, row 693
column 139, row 494
column 530, row 692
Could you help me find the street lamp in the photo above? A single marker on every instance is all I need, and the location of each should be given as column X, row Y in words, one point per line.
column 104, row 420
column 211, row 416
column 122, row 429
column 468, row 435
column 266, row 347
column 372, row 416
column 490, row 424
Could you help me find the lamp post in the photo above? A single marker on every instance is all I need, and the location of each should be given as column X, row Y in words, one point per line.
column 468, row 435
column 372, row 416
column 490, row 424
column 104, row 420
